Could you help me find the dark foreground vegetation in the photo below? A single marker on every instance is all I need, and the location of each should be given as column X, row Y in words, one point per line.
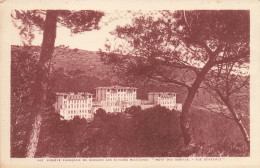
column 153, row 132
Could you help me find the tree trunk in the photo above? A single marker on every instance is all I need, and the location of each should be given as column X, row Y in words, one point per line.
column 237, row 120
column 185, row 114
column 34, row 137
column 40, row 86
column 241, row 127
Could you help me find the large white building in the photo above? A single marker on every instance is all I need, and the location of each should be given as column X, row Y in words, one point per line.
column 110, row 99
column 165, row 99
column 69, row 105
column 116, row 98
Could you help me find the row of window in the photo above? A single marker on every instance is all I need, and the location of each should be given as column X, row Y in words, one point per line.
column 120, row 90
column 77, row 106
column 167, row 98
column 120, row 98
column 76, row 101
column 123, row 96
column 77, row 97
column 121, row 93
column 79, row 112
column 110, row 104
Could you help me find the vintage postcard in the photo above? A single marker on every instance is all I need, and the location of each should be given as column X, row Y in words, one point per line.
column 130, row 83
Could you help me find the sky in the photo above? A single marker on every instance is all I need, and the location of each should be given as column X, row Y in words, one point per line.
column 92, row 40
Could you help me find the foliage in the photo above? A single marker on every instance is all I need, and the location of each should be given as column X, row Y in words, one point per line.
column 157, row 131
column 153, row 132
column 100, row 113
column 23, row 65
column 230, row 87
column 210, row 128
column 30, row 21
column 224, row 148
column 23, row 75
column 60, row 138
column 76, row 21
column 216, row 135
column 169, row 46
column 154, row 47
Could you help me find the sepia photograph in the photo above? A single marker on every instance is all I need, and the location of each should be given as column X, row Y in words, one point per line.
column 115, row 85
column 157, row 84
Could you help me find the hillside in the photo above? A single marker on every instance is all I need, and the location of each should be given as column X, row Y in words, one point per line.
column 84, row 71
column 75, row 59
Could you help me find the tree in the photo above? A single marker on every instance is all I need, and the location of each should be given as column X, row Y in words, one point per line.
column 146, row 133
column 77, row 21
column 100, row 113
column 230, row 86
column 156, row 132
column 169, row 45
column 23, row 66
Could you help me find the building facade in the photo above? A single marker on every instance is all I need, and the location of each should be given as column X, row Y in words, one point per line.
column 116, row 98
column 145, row 104
column 111, row 99
column 165, row 99
column 69, row 105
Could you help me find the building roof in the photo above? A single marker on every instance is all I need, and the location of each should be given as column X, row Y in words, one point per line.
column 73, row 94
column 162, row 93
column 116, row 87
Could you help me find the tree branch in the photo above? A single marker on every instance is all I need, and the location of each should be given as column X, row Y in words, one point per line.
column 230, row 59
column 238, row 88
column 162, row 78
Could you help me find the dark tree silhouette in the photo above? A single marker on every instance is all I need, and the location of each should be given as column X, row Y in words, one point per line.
column 230, row 86
column 77, row 21
column 167, row 46
column 23, row 66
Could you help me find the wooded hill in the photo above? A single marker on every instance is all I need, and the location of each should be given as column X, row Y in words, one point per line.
column 79, row 70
